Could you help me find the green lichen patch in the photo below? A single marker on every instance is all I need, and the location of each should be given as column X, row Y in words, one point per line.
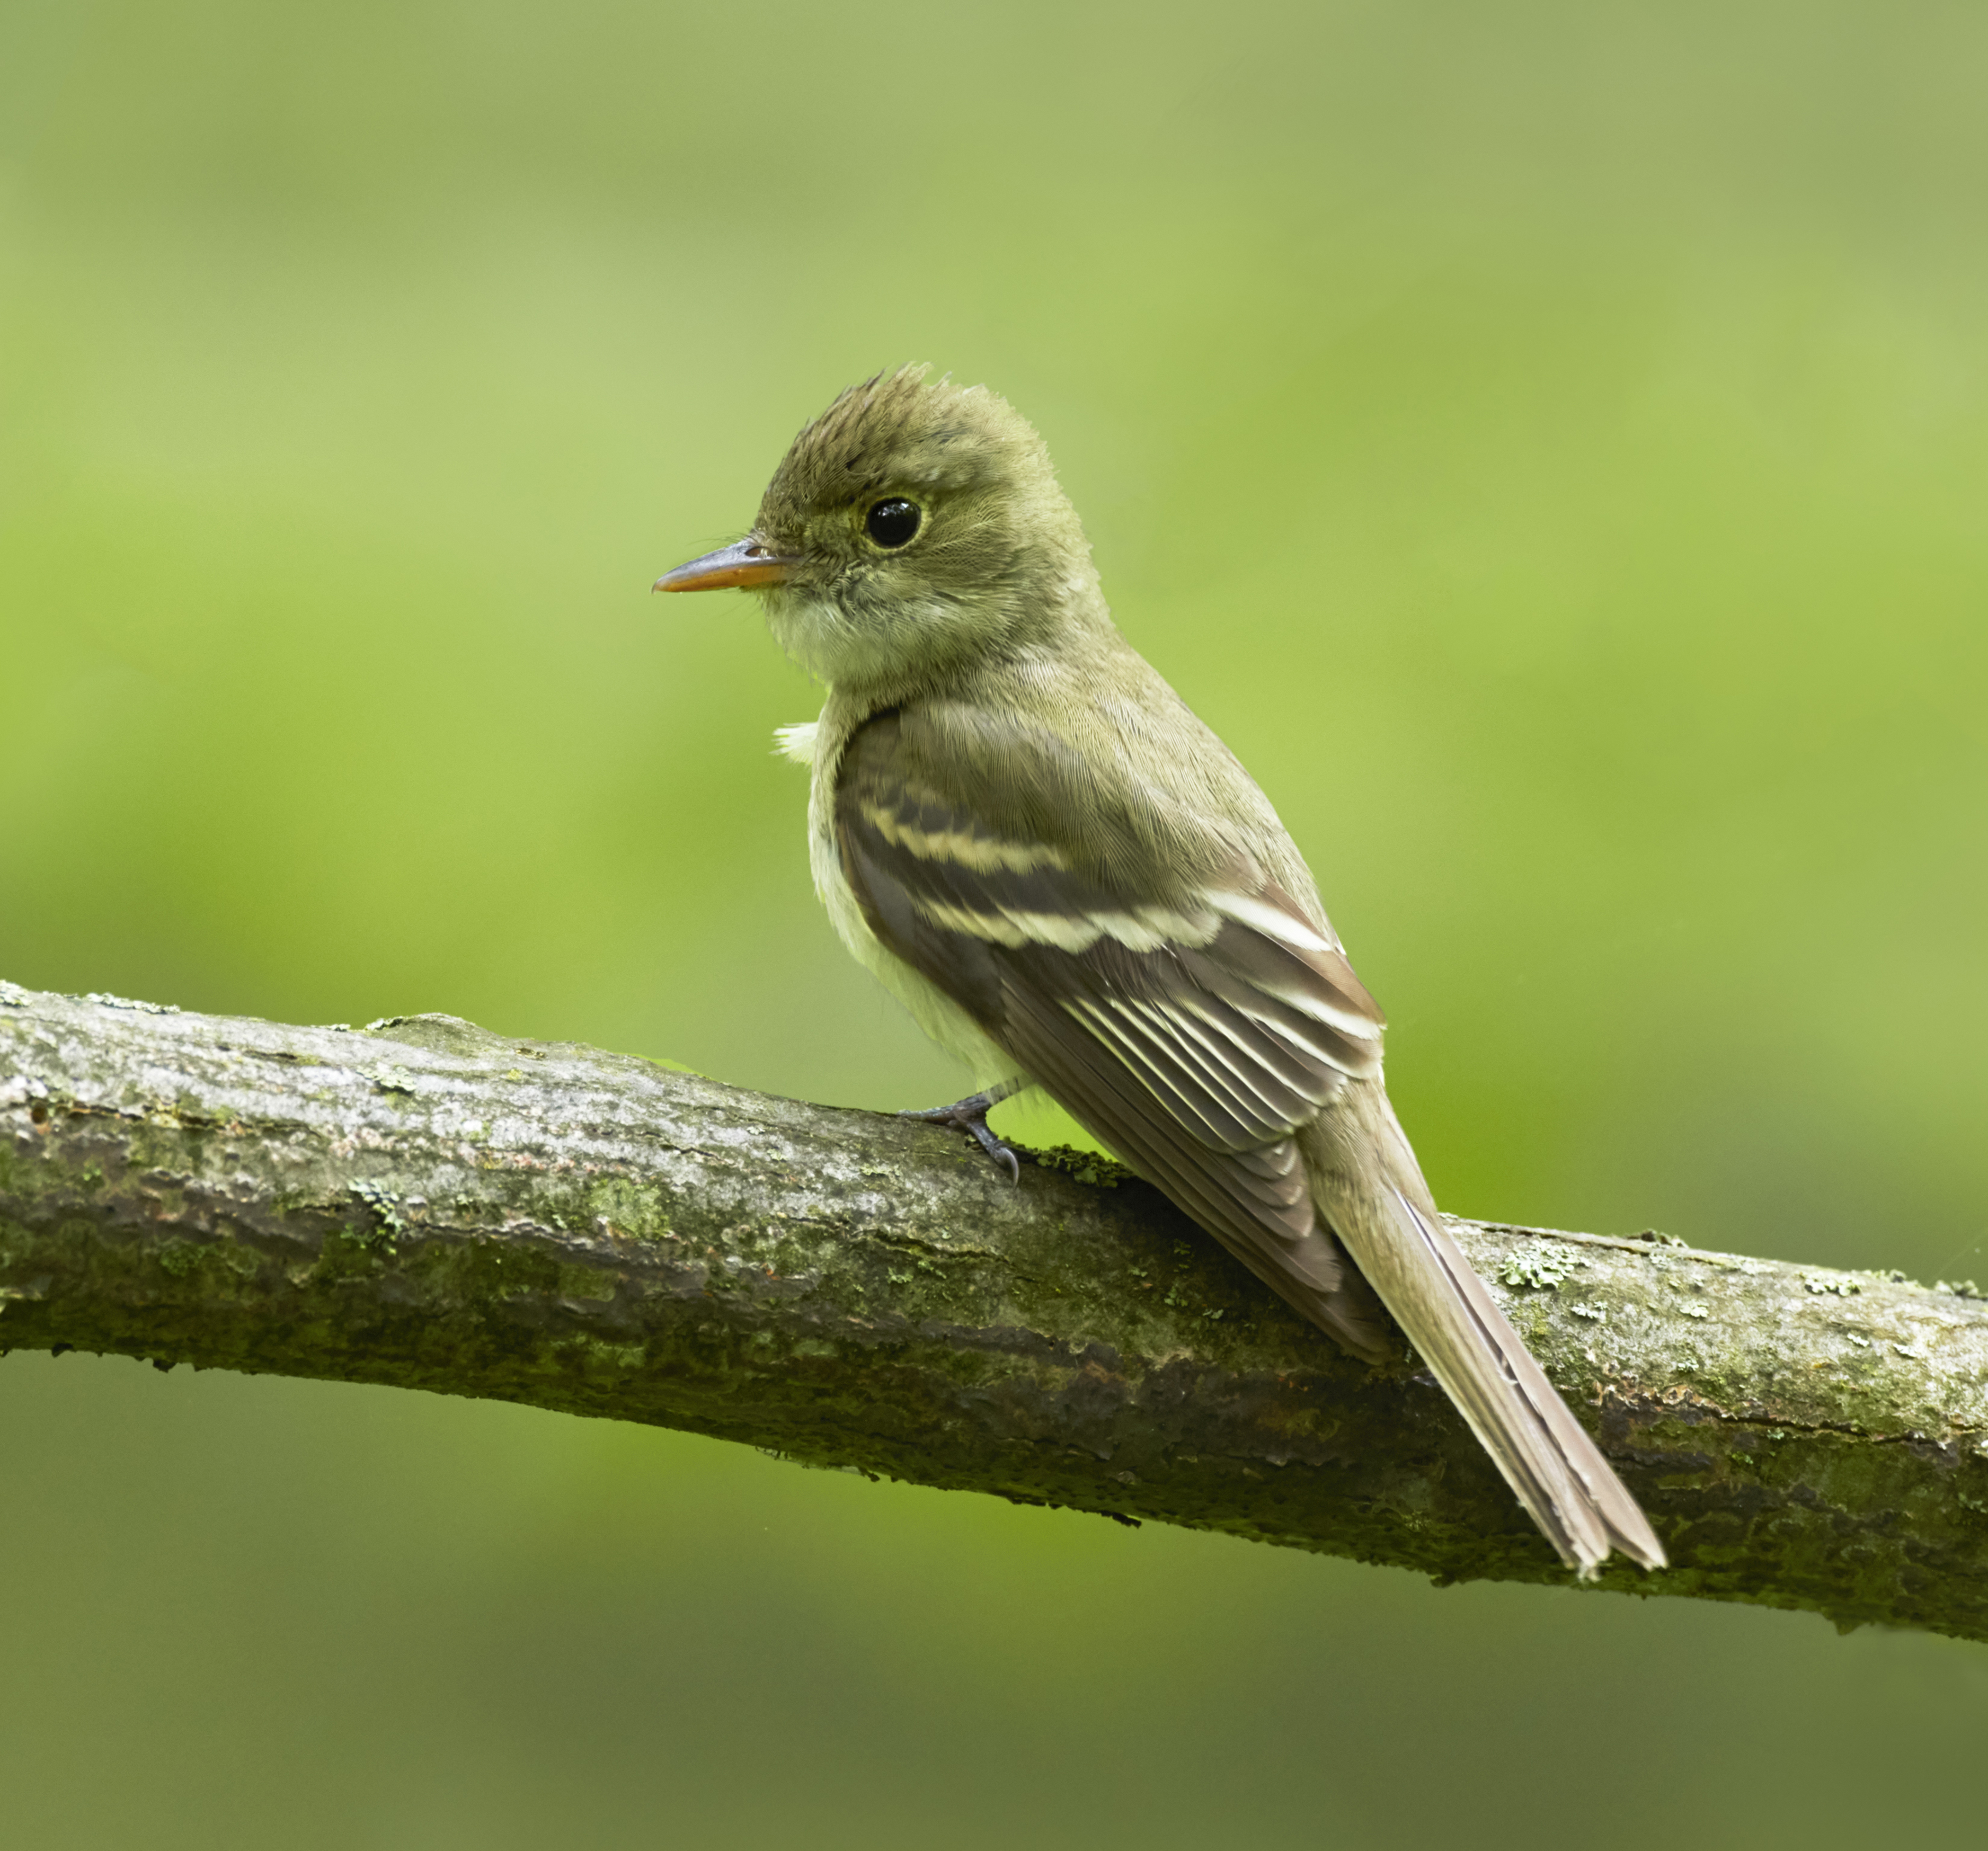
column 1085, row 1166
column 628, row 1207
column 221, row 1263
column 104, row 1000
column 389, row 1222
column 1541, row 1269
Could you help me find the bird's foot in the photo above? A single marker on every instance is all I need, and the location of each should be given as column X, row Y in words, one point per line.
column 970, row 1115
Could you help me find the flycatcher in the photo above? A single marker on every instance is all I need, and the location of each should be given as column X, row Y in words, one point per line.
column 1071, row 883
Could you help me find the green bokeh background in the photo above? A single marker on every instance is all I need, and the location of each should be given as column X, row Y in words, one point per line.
column 1548, row 441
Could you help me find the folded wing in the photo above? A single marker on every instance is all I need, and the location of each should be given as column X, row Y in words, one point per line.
column 1192, row 1025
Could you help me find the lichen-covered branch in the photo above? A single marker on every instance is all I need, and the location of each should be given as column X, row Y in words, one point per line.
column 426, row 1204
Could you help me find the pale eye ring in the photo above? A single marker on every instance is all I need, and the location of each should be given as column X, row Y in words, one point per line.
column 894, row 522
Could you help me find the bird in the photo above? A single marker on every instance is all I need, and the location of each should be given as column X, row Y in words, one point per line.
column 1072, row 884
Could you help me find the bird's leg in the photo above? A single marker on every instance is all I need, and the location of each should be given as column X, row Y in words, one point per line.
column 970, row 1115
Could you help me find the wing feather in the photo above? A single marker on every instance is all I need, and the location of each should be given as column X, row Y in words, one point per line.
column 1192, row 1028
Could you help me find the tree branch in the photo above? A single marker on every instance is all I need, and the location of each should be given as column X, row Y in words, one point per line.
column 426, row 1204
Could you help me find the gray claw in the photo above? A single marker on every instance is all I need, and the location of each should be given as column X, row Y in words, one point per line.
column 970, row 1115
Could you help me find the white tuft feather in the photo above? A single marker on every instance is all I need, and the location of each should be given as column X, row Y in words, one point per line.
column 796, row 743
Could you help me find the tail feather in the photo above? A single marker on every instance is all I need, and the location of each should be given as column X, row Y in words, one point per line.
column 1373, row 1194
column 1546, row 1455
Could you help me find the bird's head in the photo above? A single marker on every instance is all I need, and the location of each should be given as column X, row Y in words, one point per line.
column 912, row 528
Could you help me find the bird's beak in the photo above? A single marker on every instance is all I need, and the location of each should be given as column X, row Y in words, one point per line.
column 745, row 563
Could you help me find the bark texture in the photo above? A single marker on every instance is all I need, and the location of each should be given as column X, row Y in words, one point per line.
column 424, row 1204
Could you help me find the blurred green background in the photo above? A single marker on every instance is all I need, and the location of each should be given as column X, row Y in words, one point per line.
column 1549, row 442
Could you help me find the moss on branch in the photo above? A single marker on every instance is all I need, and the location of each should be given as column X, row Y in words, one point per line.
column 425, row 1204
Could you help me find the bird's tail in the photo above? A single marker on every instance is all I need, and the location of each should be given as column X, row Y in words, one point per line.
column 1370, row 1188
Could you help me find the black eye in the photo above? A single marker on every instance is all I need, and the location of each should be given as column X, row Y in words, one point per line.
column 892, row 523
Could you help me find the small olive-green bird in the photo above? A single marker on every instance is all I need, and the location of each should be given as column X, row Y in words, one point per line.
column 1071, row 883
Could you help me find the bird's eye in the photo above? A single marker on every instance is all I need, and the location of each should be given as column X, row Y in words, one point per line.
column 892, row 523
